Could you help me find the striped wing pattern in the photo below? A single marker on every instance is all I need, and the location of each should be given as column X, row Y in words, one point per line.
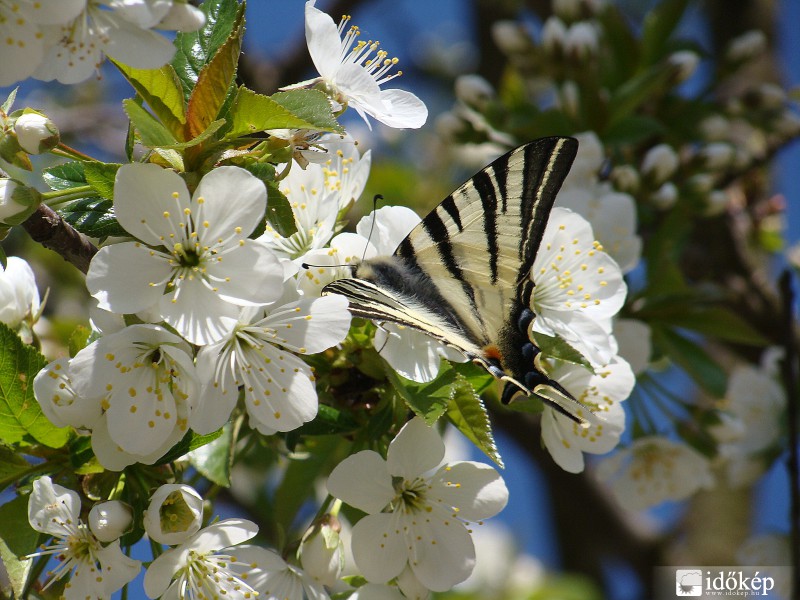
column 461, row 275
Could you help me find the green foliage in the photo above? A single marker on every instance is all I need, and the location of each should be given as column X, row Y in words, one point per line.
column 17, row 539
column 215, row 459
column 21, row 418
column 468, row 413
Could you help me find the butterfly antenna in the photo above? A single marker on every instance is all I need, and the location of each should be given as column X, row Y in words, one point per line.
column 375, row 199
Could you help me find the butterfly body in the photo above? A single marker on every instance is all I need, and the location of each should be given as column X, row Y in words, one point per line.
column 462, row 276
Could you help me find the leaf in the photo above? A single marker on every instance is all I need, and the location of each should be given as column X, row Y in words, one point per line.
column 64, row 177
column 329, row 421
column 9, row 101
column 162, row 91
column 427, row 400
column 208, row 133
column 93, row 217
column 152, row 133
column 79, row 339
column 20, row 414
column 252, row 112
column 191, row 441
column 12, row 465
column 659, row 24
column 467, row 412
column 632, row 130
column 101, row 177
column 279, row 212
column 555, row 347
column 693, row 359
column 714, row 321
column 195, row 49
column 214, row 82
column 638, row 90
column 17, row 538
column 215, row 459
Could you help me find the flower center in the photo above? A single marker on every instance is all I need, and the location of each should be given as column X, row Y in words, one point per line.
column 411, row 494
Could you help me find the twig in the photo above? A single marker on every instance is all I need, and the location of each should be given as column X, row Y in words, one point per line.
column 789, row 372
column 51, row 231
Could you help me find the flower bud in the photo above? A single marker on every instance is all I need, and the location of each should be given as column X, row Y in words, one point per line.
column 322, row 551
column 716, row 202
column 474, row 91
column 110, row 520
column 17, row 202
column 746, row 46
column 625, row 178
column 36, row 133
column 660, row 163
column 554, row 35
column 175, row 513
column 19, row 296
column 717, row 155
column 582, row 40
column 665, row 196
column 182, row 17
column 570, row 98
column 770, row 96
column 685, row 62
column 715, row 128
column 510, row 37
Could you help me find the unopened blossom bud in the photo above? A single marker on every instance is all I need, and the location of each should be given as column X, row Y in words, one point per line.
column 36, row 133
column 19, row 296
column 182, row 17
column 717, row 155
column 174, row 515
column 554, row 35
column 715, row 128
column 510, row 37
column 17, row 202
column 746, row 46
column 110, row 520
column 685, row 62
column 716, row 202
column 474, row 91
column 770, row 96
column 625, row 178
column 322, row 551
column 570, row 98
column 582, row 40
column 665, row 196
column 660, row 163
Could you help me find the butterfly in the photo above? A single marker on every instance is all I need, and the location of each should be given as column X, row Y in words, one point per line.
column 462, row 276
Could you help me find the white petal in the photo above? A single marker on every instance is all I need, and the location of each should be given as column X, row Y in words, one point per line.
column 588, row 336
column 232, row 197
column 403, row 110
column 379, row 547
column 324, row 43
column 118, row 569
column 416, row 449
column 107, row 451
column 386, row 227
column 51, row 507
column 197, row 313
column 60, row 404
column 376, row 591
column 145, row 205
column 565, row 454
column 362, row 481
column 310, row 326
column 411, row 353
column 475, row 490
column 22, row 48
column 120, row 277
column 55, row 12
column 131, row 45
column 443, row 553
column 249, row 274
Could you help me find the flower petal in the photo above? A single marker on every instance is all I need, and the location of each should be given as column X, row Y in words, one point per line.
column 249, row 274
column 196, row 312
column 416, row 449
column 310, row 326
column 403, row 110
column 324, row 43
column 379, row 547
column 51, row 507
column 362, row 481
column 475, row 490
column 126, row 43
column 232, row 198
column 60, row 404
column 443, row 553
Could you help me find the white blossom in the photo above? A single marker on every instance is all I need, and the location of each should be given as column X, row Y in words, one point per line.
column 205, row 565
column 194, row 263
column 602, row 392
column 17, row 202
column 259, row 353
column 412, row 518
column 273, row 577
column 634, row 343
column 578, row 287
column 175, row 513
column 109, row 520
column 353, row 72
column 746, row 46
column 660, row 163
column 665, row 197
column 97, row 570
column 19, row 296
column 652, row 470
column 322, row 552
column 35, row 133
column 120, row 29
column 685, row 61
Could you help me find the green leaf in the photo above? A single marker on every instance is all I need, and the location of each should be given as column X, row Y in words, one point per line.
column 17, row 538
column 279, row 211
column 555, row 347
column 207, row 134
column 196, row 49
column 64, row 177
column 693, row 359
column 93, row 217
column 427, row 400
column 152, row 133
column 162, row 91
column 191, row 441
column 252, row 112
column 101, row 177
column 79, row 339
column 638, row 90
column 215, row 459
column 467, row 412
column 659, row 25
column 12, row 465
column 20, row 414
column 329, row 421
column 215, row 82
column 632, row 130
column 313, row 106
column 9, row 101
column 713, row 321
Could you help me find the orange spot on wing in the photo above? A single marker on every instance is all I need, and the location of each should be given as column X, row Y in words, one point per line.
column 492, row 352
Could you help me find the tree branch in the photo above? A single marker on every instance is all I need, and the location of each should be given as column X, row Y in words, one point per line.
column 51, row 231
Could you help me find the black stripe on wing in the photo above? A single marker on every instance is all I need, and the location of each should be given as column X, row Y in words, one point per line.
column 547, row 162
column 485, row 186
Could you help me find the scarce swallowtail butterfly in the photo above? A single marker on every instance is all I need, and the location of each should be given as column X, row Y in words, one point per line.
column 462, row 276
